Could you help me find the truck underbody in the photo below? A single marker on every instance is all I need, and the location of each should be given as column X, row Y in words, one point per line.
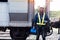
column 17, row 33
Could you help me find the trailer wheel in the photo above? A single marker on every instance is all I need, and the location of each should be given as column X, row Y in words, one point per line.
column 12, row 34
column 19, row 33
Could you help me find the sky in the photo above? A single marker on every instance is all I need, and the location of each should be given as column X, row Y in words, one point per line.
column 54, row 4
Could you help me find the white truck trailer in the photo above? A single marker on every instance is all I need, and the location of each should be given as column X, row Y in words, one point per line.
column 17, row 16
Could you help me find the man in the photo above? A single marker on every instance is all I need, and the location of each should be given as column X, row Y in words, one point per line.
column 40, row 21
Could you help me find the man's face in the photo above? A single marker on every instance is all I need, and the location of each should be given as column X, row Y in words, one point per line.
column 41, row 10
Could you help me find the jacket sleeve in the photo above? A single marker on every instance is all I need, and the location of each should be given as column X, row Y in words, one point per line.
column 47, row 18
column 35, row 19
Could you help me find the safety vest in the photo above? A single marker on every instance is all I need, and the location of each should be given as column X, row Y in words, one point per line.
column 39, row 22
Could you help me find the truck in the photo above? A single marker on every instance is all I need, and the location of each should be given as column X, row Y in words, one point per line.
column 16, row 15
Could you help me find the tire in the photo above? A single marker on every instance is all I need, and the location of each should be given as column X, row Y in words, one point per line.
column 12, row 35
column 19, row 33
